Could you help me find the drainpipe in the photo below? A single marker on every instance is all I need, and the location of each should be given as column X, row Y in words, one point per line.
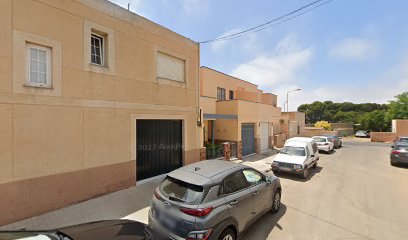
column 212, row 131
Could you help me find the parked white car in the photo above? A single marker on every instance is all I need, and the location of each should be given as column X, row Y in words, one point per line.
column 297, row 156
column 324, row 143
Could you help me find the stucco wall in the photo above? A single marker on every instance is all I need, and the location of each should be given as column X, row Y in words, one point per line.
column 86, row 125
column 383, row 136
column 400, row 126
column 312, row 131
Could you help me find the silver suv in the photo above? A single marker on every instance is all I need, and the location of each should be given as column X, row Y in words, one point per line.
column 212, row 200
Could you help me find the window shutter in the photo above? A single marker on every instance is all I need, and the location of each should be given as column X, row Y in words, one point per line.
column 170, row 68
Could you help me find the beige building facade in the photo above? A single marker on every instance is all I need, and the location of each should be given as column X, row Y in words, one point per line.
column 236, row 111
column 80, row 82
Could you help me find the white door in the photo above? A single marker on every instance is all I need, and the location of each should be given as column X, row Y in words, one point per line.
column 264, row 136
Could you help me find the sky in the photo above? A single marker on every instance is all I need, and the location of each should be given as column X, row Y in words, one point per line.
column 346, row 50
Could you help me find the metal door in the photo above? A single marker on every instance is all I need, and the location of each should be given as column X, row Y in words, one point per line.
column 158, row 146
column 247, row 136
column 264, row 136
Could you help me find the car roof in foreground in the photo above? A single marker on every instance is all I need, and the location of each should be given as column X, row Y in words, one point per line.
column 206, row 172
column 98, row 229
column 89, row 231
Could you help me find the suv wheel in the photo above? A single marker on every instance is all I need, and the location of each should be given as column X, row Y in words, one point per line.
column 227, row 234
column 276, row 201
column 305, row 173
column 315, row 165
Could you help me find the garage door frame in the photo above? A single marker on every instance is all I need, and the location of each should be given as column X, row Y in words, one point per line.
column 248, row 138
column 133, row 139
column 264, row 135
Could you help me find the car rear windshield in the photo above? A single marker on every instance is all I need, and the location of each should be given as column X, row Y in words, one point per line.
column 180, row 191
column 319, row 139
column 294, row 151
column 403, row 140
column 402, row 148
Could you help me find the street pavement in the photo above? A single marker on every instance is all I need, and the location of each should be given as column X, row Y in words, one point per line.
column 354, row 194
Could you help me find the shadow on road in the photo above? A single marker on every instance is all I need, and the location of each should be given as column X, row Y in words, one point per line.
column 312, row 172
column 327, row 153
column 261, row 228
column 401, row 165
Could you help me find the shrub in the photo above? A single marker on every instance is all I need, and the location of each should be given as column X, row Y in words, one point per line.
column 324, row 124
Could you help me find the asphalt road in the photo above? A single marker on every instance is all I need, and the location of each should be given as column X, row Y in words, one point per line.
column 354, row 194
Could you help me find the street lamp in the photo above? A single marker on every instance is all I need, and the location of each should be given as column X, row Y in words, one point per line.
column 287, row 98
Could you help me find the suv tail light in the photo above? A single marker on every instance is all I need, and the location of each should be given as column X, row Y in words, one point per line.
column 395, row 152
column 199, row 212
column 157, row 195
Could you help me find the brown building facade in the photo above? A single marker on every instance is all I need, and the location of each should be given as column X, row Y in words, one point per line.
column 89, row 93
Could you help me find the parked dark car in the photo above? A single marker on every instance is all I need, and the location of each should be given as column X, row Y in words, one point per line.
column 101, row 230
column 212, row 200
column 401, row 139
column 399, row 154
column 336, row 140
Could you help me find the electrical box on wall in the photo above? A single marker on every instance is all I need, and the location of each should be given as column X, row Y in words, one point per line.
column 199, row 117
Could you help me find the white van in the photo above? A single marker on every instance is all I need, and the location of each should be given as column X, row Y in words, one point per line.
column 297, row 156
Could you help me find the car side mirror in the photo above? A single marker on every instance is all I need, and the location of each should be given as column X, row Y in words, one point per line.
column 268, row 181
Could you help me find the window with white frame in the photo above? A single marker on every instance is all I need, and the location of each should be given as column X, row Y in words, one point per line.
column 170, row 68
column 38, row 65
column 97, row 49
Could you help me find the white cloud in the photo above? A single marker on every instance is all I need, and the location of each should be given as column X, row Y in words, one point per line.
column 380, row 90
column 282, row 66
column 354, row 49
column 218, row 45
column 194, row 7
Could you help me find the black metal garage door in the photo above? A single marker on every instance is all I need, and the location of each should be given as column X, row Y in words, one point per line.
column 247, row 136
column 159, row 147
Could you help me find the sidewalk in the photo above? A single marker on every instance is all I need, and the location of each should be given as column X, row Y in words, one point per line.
column 132, row 203
column 261, row 162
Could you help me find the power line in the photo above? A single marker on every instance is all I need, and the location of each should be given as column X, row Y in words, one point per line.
column 284, row 18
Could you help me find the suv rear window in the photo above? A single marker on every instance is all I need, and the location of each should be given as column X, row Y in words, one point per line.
column 402, row 148
column 403, row 140
column 177, row 190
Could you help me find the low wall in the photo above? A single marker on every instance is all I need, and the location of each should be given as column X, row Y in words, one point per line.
column 279, row 140
column 345, row 132
column 313, row 131
column 383, row 136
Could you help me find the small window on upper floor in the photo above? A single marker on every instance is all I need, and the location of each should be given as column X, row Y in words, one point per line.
column 231, row 95
column 38, row 66
column 97, row 49
column 170, row 68
column 221, row 94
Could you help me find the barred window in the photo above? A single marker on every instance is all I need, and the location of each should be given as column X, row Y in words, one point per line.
column 220, row 94
column 170, row 68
